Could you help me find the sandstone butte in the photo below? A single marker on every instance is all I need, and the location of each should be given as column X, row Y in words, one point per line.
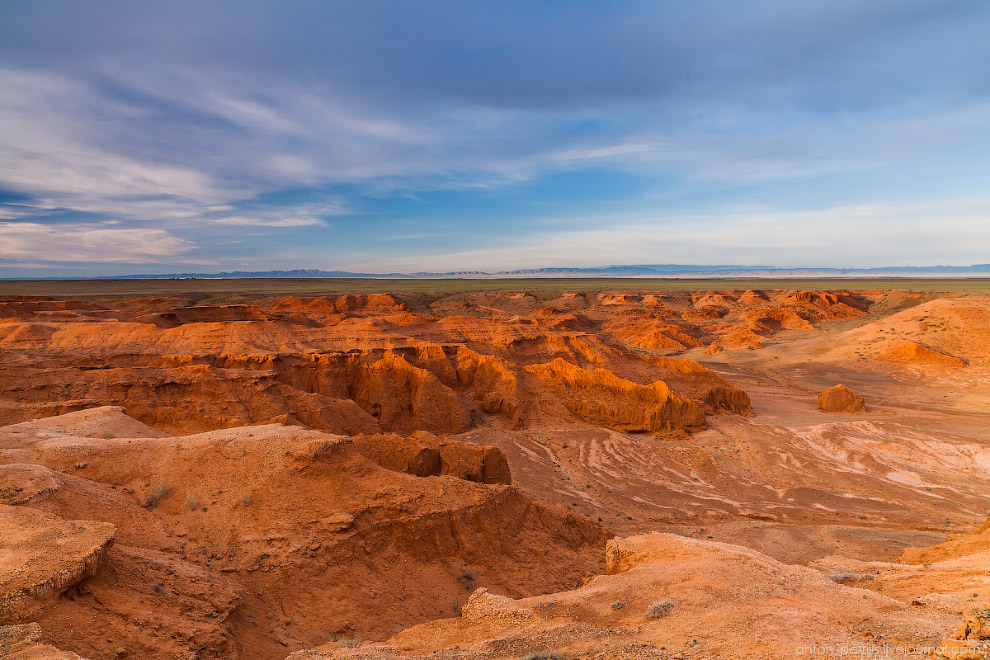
column 840, row 398
column 494, row 475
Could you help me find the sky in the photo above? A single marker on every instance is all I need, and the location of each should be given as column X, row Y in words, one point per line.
column 159, row 137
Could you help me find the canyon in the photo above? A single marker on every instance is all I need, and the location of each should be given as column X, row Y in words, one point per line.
column 602, row 472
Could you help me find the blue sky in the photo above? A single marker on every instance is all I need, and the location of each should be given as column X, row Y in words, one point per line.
column 405, row 136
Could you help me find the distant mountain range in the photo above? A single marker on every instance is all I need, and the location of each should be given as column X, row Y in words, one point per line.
column 645, row 270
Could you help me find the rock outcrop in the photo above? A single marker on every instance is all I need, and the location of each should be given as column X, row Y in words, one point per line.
column 406, row 398
column 601, row 397
column 840, row 398
column 696, row 582
column 365, row 363
column 729, row 398
column 953, row 547
column 972, row 639
column 493, row 381
column 42, row 555
column 426, row 455
column 23, row 642
column 225, row 527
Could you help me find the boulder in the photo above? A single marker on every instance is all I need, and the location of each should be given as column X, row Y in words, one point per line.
column 840, row 398
column 729, row 398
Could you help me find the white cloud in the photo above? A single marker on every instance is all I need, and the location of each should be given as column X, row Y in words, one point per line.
column 88, row 243
column 181, row 145
column 240, row 221
column 51, row 148
column 848, row 236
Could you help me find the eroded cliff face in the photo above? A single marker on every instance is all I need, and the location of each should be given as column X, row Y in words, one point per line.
column 664, row 595
column 601, row 397
column 216, row 533
column 367, row 364
column 43, row 556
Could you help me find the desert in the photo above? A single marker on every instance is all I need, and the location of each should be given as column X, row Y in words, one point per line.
column 494, row 473
column 445, row 330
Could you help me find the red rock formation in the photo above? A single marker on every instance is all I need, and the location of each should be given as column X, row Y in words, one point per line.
column 425, row 455
column 601, row 397
column 42, row 555
column 696, row 582
column 492, row 379
column 730, row 398
column 362, row 363
column 407, row 398
column 238, row 523
column 653, row 335
column 840, row 398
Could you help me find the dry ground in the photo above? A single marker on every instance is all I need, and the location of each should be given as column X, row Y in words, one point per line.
column 336, row 466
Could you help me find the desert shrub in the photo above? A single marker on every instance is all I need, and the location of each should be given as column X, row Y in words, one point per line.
column 660, row 608
column 352, row 643
column 108, row 436
column 545, row 607
column 545, row 655
column 846, row 577
column 157, row 494
column 247, row 499
column 467, row 577
column 192, row 501
column 843, row 577
column 618, row 605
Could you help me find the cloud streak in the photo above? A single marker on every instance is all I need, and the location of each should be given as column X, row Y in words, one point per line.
column 84, row 243
column 238, row 221
column 865, row 236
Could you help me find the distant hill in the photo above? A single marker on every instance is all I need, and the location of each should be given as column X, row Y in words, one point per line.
column 643, row 270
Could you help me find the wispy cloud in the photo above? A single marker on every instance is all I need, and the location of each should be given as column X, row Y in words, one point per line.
column 51, row 150
column 85, row 243
column 38, row 265
column 239, row 221
column 846, row 236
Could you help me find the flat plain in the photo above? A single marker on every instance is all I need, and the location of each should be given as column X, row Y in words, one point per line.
column 248, row 287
